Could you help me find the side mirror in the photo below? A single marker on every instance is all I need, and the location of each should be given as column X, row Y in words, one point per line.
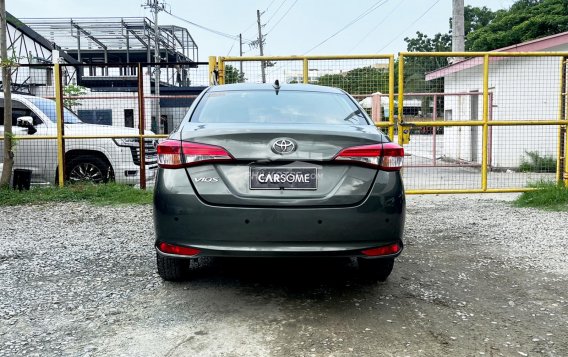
column 27, row 122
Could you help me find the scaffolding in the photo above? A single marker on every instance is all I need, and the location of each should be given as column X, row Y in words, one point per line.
column 116, row 39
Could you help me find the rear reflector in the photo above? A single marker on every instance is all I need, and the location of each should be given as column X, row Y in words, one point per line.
column 178, row 250
column 384, row 250
column 173, row 154
column 387, row 156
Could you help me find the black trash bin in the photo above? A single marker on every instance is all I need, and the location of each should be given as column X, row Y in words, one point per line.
column 22, row 179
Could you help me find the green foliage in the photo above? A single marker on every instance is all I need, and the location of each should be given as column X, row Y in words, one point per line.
column 486, row 30
column 102, row 194
column 537, row 163
column 548, row 195
column 364, row 80
column 233, row 75
column 524, row 21
column 72, row 90
column 476, row 18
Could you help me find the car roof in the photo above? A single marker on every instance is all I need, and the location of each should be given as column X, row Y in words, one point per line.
column 270, row 86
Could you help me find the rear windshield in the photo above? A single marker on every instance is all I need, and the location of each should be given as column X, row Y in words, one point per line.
column 293, row 107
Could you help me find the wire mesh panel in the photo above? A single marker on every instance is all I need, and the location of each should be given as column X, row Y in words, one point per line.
column 521, row 90
column 446, row 156
column 366, row 78
column 30, row 85
column 285, row 71
column 429, row 166
column 105, row 108
column 521, row 155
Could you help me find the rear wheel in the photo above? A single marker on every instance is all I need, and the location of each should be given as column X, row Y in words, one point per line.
column 173, row 269
column 377, row 269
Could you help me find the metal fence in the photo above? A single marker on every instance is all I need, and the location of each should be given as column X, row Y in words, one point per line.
column 97, row 122
column 469, row 122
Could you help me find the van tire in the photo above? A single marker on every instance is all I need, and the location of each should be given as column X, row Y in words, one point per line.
column 88, row 168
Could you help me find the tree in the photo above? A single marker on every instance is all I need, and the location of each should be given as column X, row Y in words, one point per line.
column 6, row 64
column 233, row 75
column 364, row 80
column 526, row 20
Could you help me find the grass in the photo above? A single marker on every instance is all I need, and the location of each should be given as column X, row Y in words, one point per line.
column 549, row 196
column 537, row 163
column 104, row 194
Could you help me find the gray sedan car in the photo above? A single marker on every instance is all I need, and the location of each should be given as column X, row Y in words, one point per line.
column 262, row 170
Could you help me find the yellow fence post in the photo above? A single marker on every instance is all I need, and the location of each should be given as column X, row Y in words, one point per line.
column 141, row 127
column 391, row 98
column 400, row 96
column 306, row 72
column 60, row 126
column 561, row 147
column 221, row 70
column 212, row 69
column 485, row 145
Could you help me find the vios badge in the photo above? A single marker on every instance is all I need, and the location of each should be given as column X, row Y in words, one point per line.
column 283, row 146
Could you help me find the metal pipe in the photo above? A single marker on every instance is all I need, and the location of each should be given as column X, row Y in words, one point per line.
column 434, row 115
column 305, row 71
column 60, row 125
column 400, row 97
column 485, row 122
column 141, row 124
column 391, row 98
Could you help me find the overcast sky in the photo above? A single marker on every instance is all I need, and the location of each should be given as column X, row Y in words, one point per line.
column 293, row 27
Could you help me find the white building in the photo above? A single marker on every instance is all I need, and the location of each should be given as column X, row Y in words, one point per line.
column 520, row 88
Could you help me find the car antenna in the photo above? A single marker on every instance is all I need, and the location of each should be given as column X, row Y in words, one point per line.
column 276, row 86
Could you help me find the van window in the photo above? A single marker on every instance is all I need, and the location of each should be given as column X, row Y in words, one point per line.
column 18, row 110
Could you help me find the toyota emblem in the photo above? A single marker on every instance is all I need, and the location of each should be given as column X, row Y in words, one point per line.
column 284, row 146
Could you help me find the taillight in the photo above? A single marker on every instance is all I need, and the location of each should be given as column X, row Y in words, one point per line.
column 173, row 154
column 387, row 156
column 384, row 250
column 177, row 249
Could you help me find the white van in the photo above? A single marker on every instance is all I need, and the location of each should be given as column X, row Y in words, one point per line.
column 95, row 160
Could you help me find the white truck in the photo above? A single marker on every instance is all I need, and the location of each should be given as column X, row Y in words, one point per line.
column 95, row 160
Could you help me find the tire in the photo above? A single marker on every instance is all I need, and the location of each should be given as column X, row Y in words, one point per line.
column 377, row 269
column 173, row 269
column 88, row 168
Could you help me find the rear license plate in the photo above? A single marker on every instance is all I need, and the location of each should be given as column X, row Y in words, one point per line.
column 277, row 178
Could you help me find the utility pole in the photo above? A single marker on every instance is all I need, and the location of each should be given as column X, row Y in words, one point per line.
column 458, row 30
column 241, row 54
column 260, row 46
column 7, row 84
column 156, row 7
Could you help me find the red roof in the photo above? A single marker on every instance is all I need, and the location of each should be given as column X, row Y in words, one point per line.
column 540, row 44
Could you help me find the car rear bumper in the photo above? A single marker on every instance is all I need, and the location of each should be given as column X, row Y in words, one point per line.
column 182, row 218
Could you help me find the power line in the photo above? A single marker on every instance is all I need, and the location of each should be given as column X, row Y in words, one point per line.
column 283, row 16
column 219, row 33
column 352, row 22
column 275, row 12
column 269, row 5
column 364, row 37
column 412, row 24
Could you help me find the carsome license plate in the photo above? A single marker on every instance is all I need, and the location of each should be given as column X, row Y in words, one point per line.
column 277, row 178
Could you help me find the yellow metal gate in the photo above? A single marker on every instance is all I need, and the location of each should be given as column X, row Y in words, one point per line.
column 470, row 122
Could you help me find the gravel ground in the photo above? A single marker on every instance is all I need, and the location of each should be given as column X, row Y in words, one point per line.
column 477, row 277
